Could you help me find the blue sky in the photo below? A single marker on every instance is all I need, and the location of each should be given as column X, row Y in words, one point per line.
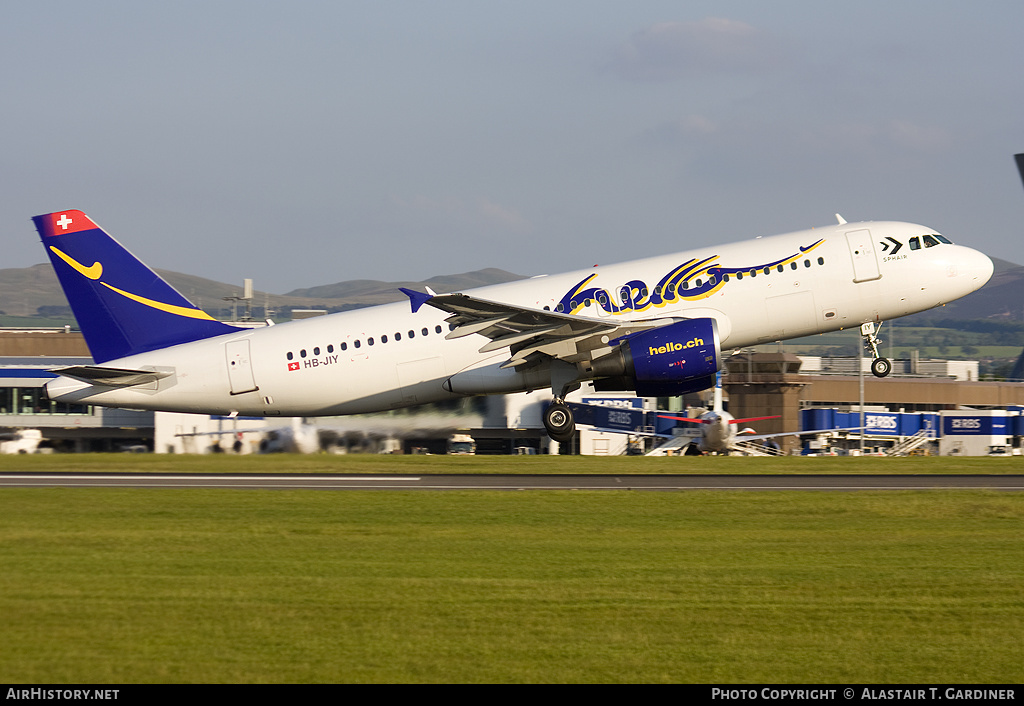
column 305, row 143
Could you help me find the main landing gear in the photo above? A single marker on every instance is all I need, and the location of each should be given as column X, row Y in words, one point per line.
column 558, row 421
column 880, row 367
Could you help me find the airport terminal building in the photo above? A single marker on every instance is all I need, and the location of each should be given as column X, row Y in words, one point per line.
column 938, row 406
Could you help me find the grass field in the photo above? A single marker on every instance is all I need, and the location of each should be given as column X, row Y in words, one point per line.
column 123, row 586
column 611, row 465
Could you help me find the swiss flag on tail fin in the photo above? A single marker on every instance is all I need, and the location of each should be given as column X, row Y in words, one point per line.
column 63, row 222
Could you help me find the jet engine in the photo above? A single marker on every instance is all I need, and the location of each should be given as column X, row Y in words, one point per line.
column 663, row 362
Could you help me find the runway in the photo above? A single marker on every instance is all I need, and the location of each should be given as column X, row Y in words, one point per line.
column 511, row 482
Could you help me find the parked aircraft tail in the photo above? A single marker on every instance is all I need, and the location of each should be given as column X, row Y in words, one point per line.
column 122, row 306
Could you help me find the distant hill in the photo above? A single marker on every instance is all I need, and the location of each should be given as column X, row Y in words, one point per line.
column 369, row 292
column 24, row 290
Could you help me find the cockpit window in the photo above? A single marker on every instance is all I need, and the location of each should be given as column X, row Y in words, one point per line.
column 941, row 238
column 929, row 241
column 915, row 243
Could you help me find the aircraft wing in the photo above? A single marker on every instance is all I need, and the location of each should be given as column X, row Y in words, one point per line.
column 530, row 334
column 708, row 421
column 753, row 437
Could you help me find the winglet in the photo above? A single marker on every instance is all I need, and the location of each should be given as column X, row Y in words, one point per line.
column 416, row 299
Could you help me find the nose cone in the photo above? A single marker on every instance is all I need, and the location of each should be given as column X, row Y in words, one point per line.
column 976, row 267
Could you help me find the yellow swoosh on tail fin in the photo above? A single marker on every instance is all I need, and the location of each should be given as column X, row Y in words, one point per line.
column 93, row 271
column 169, row 308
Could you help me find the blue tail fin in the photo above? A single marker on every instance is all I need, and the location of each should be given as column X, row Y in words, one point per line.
column 122, row 306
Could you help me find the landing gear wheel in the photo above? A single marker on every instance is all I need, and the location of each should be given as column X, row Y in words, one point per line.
column 559, row 423
column 880, row 367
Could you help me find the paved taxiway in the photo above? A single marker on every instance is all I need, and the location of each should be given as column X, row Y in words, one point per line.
column 511, row 482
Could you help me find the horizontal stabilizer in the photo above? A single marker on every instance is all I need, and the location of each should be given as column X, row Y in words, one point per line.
column 113, row 377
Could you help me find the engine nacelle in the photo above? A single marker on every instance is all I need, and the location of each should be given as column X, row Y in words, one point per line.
column 663, row 362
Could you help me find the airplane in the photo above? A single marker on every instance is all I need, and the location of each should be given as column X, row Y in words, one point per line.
column 719, row 429
column 656, row 326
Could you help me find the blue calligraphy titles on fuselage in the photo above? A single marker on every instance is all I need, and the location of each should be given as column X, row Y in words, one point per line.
column 691, row 281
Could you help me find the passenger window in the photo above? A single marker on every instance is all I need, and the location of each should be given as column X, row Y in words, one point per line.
column 398, row 336
column 915, row 243
column 316, row 351
column 807, row 263
column 424, row 331
column 369, row 341
column 792, row 265
column 753, row 273
column 767, row 270
column 330, row 348
column 344, row 346
column 290, row 355
column 356, row 344
column 412, row 334
column 821, row 261
column 302, row 353
column 384, row 338
column 437, row 329
column 725, row 278
column 780, row 268
column 739, row 275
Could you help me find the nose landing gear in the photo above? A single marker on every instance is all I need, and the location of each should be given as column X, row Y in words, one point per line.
column 880, row 367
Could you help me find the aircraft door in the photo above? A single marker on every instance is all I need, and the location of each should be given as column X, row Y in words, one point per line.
column 240, row 375
column 862, row 252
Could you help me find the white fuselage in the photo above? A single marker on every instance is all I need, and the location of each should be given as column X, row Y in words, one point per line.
column 387, row 357
column 717, row 434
